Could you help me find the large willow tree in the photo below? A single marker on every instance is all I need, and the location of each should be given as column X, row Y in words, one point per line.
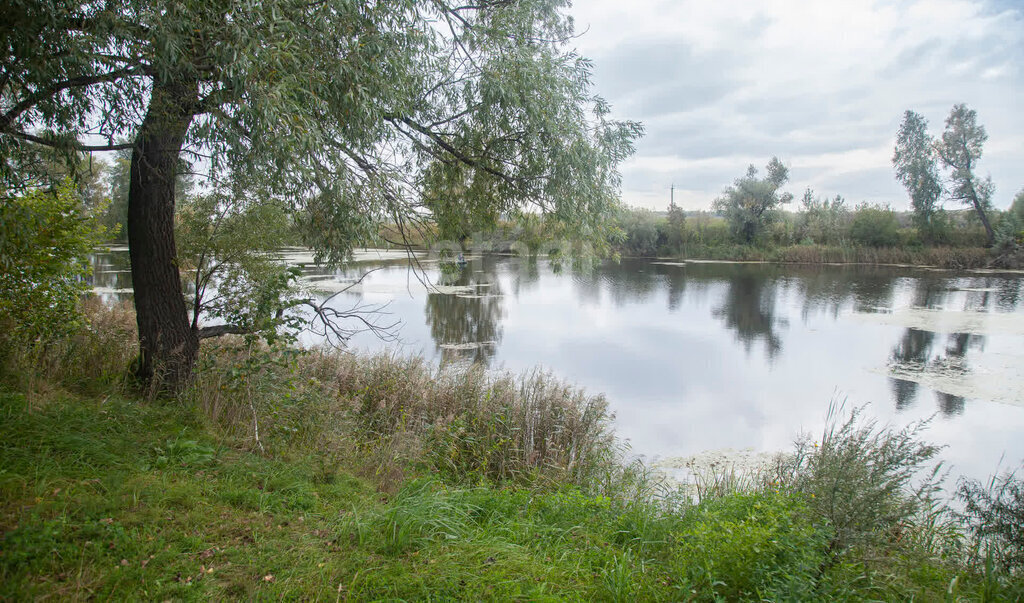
column 352, row 112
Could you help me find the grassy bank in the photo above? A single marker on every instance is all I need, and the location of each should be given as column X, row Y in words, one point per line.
column 319, row 476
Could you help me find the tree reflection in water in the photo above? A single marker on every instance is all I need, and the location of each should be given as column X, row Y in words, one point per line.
column 749, row 309
column 910, row 354
column 914, row 352
column 466, row 327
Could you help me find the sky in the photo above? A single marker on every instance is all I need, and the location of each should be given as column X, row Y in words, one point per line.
column 823, row 85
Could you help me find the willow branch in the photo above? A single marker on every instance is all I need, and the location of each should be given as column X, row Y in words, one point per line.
column 75, row 82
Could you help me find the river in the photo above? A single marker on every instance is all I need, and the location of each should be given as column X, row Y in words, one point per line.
column 703, row 356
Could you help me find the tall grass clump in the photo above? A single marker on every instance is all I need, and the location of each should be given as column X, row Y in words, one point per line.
column 994, row 515
column 467, row 424
column 253, row 391
column 397, row 416
column 94, row 356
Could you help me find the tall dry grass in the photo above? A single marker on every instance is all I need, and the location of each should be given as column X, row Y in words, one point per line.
column 400, row 415
column 468, row 423
column 942, row 257
column 94, row 356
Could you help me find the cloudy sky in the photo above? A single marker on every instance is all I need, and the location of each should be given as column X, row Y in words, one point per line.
column 723, row 84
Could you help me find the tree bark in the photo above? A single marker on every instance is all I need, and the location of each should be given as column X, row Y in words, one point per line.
column 168, row 346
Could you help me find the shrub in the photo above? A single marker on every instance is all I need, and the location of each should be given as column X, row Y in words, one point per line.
column 644, row 231
column 463, row 424
column 751, row 546
column 45, row 239
column 822, row 221
column 752, row 203
column 471, row 425
column 858, row 480
column 875, row 226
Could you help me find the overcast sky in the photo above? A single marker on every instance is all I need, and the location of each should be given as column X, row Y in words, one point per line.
column 721, row 84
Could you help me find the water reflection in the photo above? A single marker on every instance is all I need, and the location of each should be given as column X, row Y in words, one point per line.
column 831, row 290
column 912, row 354
column 748, row 308
column 696, row 356
column 466, row 326
column 525, row 275
column 930, row 291
column 915, row 355
column 111, row 276
column 949, row 404
column 1008, row 292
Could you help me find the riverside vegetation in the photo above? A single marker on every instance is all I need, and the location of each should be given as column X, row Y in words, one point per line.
column 316, row 474
column 822, row 231
column 143, row 465
column 827, row 231
column 286, row 473
column 753, row 224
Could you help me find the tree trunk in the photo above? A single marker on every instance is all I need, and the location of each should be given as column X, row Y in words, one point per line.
column 168, row 346
column 989, row 233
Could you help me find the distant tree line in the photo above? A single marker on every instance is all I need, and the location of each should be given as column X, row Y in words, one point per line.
column 819, row 221
column 751, row 211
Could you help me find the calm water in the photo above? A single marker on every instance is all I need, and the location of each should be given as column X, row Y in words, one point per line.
column 706, row 356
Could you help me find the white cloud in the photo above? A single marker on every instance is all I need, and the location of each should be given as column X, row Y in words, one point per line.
column 822, row 85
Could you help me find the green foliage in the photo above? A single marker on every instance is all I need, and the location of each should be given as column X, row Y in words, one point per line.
column 251, row 390
column 915, row 161
column 1009, row 231
column 995, row 515
column 752, row 546
column 822, row 221
column 875, row 226
column 1017, row 207
column 94, row 357
column 236, row 278
column 418, row 514
column 675, row 229
column 644, row 232
column 182, row 452
column 1009, row 235
column 960, row 148
column 336, row 106
column 45, row 238
column 858, row 479
column 751, row 203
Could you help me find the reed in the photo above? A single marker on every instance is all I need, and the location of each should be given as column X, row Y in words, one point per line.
column 469, row 424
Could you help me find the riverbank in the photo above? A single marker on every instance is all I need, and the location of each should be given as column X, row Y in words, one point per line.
column 934, row 257
column 281, row 474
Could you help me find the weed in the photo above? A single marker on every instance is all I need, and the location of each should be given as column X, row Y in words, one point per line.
column 994, row 514
column 858, row 480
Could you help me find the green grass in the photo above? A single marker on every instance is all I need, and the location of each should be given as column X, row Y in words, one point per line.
column 120, row 498
column 124, row 499
column 380, row 480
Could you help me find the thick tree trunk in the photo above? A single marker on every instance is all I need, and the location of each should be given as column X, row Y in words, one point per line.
column 168, row 345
